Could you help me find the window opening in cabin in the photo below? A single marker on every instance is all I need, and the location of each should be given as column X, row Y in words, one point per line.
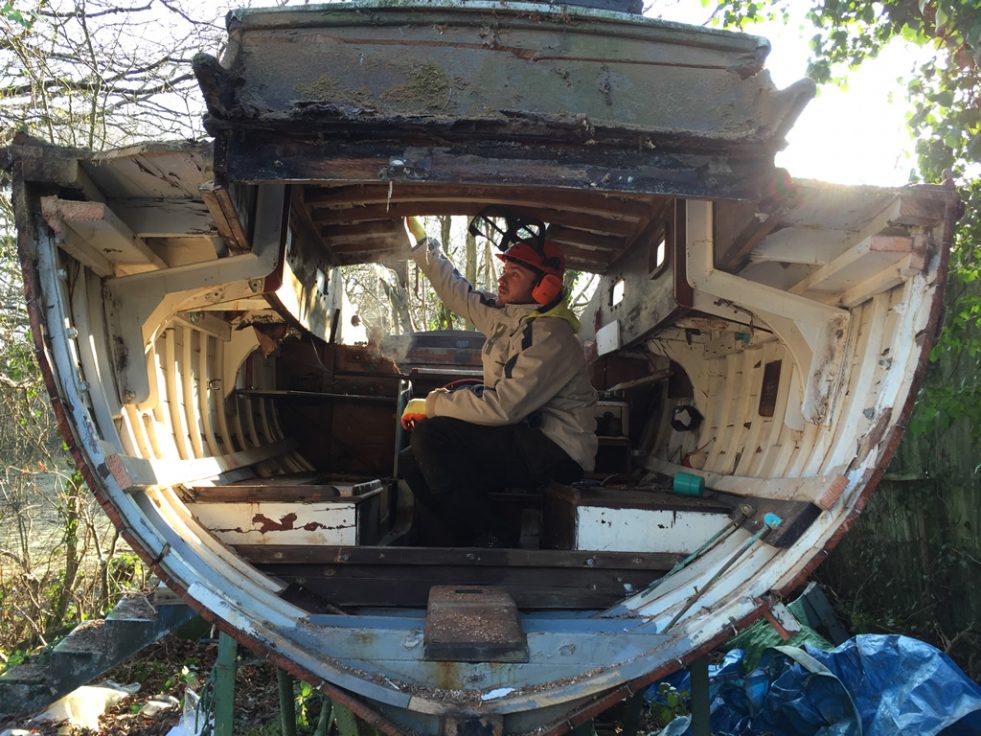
column 617, row 292
column 660, row 256
column 659, row 251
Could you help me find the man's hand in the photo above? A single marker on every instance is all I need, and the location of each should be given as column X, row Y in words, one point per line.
column 415, row 230
column 415, row 411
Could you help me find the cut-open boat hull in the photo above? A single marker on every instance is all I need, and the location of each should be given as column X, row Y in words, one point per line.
column 795, row 318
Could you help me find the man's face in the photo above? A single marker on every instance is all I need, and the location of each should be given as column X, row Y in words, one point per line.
column 516, row 284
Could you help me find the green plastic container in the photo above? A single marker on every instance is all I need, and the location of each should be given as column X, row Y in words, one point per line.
column 688, row 484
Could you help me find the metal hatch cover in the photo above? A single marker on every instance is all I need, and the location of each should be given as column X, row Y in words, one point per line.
column 472, row 623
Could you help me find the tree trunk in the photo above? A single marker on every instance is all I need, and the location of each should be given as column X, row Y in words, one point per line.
column 490, row 270
column 471, row 267
column 444, row 317
column 398, row 297
column 66, row 587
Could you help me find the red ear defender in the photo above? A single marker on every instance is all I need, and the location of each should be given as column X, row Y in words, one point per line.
column 548, row 289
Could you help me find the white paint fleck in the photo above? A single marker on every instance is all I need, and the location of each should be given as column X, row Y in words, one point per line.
column 498, row 693
column 412, row 640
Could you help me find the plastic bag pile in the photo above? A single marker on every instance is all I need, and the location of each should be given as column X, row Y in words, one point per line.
column 869, row 686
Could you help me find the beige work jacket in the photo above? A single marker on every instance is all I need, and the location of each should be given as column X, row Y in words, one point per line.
column 533, row 361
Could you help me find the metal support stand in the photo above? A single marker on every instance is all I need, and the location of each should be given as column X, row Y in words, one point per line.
column 346, row 723
column 287, row 706
column 630, row 714
column 700, row 697
column 225, row 685
column 325, row 712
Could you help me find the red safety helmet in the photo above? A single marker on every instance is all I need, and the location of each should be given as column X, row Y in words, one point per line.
column 549, row 263
column 549, row 260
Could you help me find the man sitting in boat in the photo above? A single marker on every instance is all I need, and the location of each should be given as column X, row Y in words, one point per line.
column 532, row 421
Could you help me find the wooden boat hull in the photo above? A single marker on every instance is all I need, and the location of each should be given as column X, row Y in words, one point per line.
column 252, row 468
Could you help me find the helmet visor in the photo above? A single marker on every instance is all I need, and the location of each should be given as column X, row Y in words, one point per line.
column 504, row 229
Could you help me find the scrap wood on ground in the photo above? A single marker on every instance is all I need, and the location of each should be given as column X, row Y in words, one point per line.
column 169, row 667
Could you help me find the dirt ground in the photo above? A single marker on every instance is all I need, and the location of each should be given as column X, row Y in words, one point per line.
column 169, row 667
column 173, row 664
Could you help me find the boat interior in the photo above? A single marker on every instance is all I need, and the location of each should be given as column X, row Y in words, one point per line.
column 746, row 355
column 756, row 342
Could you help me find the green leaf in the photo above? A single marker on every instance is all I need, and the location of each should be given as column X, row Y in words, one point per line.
column 943, row 98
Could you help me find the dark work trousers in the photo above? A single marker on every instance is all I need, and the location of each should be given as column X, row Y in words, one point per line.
column 451, row 467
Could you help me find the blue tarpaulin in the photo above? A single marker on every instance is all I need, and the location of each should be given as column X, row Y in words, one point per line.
column 871, row 685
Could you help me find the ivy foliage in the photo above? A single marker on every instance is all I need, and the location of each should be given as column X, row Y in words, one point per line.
column 944, row 93
column 23, row 18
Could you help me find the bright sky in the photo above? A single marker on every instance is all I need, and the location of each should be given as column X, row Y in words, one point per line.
column 855, row 135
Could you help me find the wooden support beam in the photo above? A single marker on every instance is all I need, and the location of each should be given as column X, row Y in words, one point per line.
column 70, row 242
column 226, row 218
column 741, row 226
column 101, row 229
column 404, row 575
column 205, row 323
column 369, row 246
column 165, row 218
column 135, row 473
column 610, row 222
column 614, row 206
column 569, row 236
column 336, row 234
column 51, row 165
column 804, row 245
column 440, row 556
column 857, row 264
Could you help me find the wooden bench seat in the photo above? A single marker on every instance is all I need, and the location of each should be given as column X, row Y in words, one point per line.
column 649, row 520
column 307, row 509
column 306, row 488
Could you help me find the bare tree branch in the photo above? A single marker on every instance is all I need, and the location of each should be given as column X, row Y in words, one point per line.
column 97, row 14
column 173, row 9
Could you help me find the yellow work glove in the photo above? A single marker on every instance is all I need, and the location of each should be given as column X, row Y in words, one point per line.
column 415, row 411
column 415, row 230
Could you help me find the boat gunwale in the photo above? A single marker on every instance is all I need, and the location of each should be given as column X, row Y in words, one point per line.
column 246, row 19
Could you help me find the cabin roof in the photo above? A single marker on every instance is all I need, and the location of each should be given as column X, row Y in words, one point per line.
column 155, row 190
column 442, row 108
